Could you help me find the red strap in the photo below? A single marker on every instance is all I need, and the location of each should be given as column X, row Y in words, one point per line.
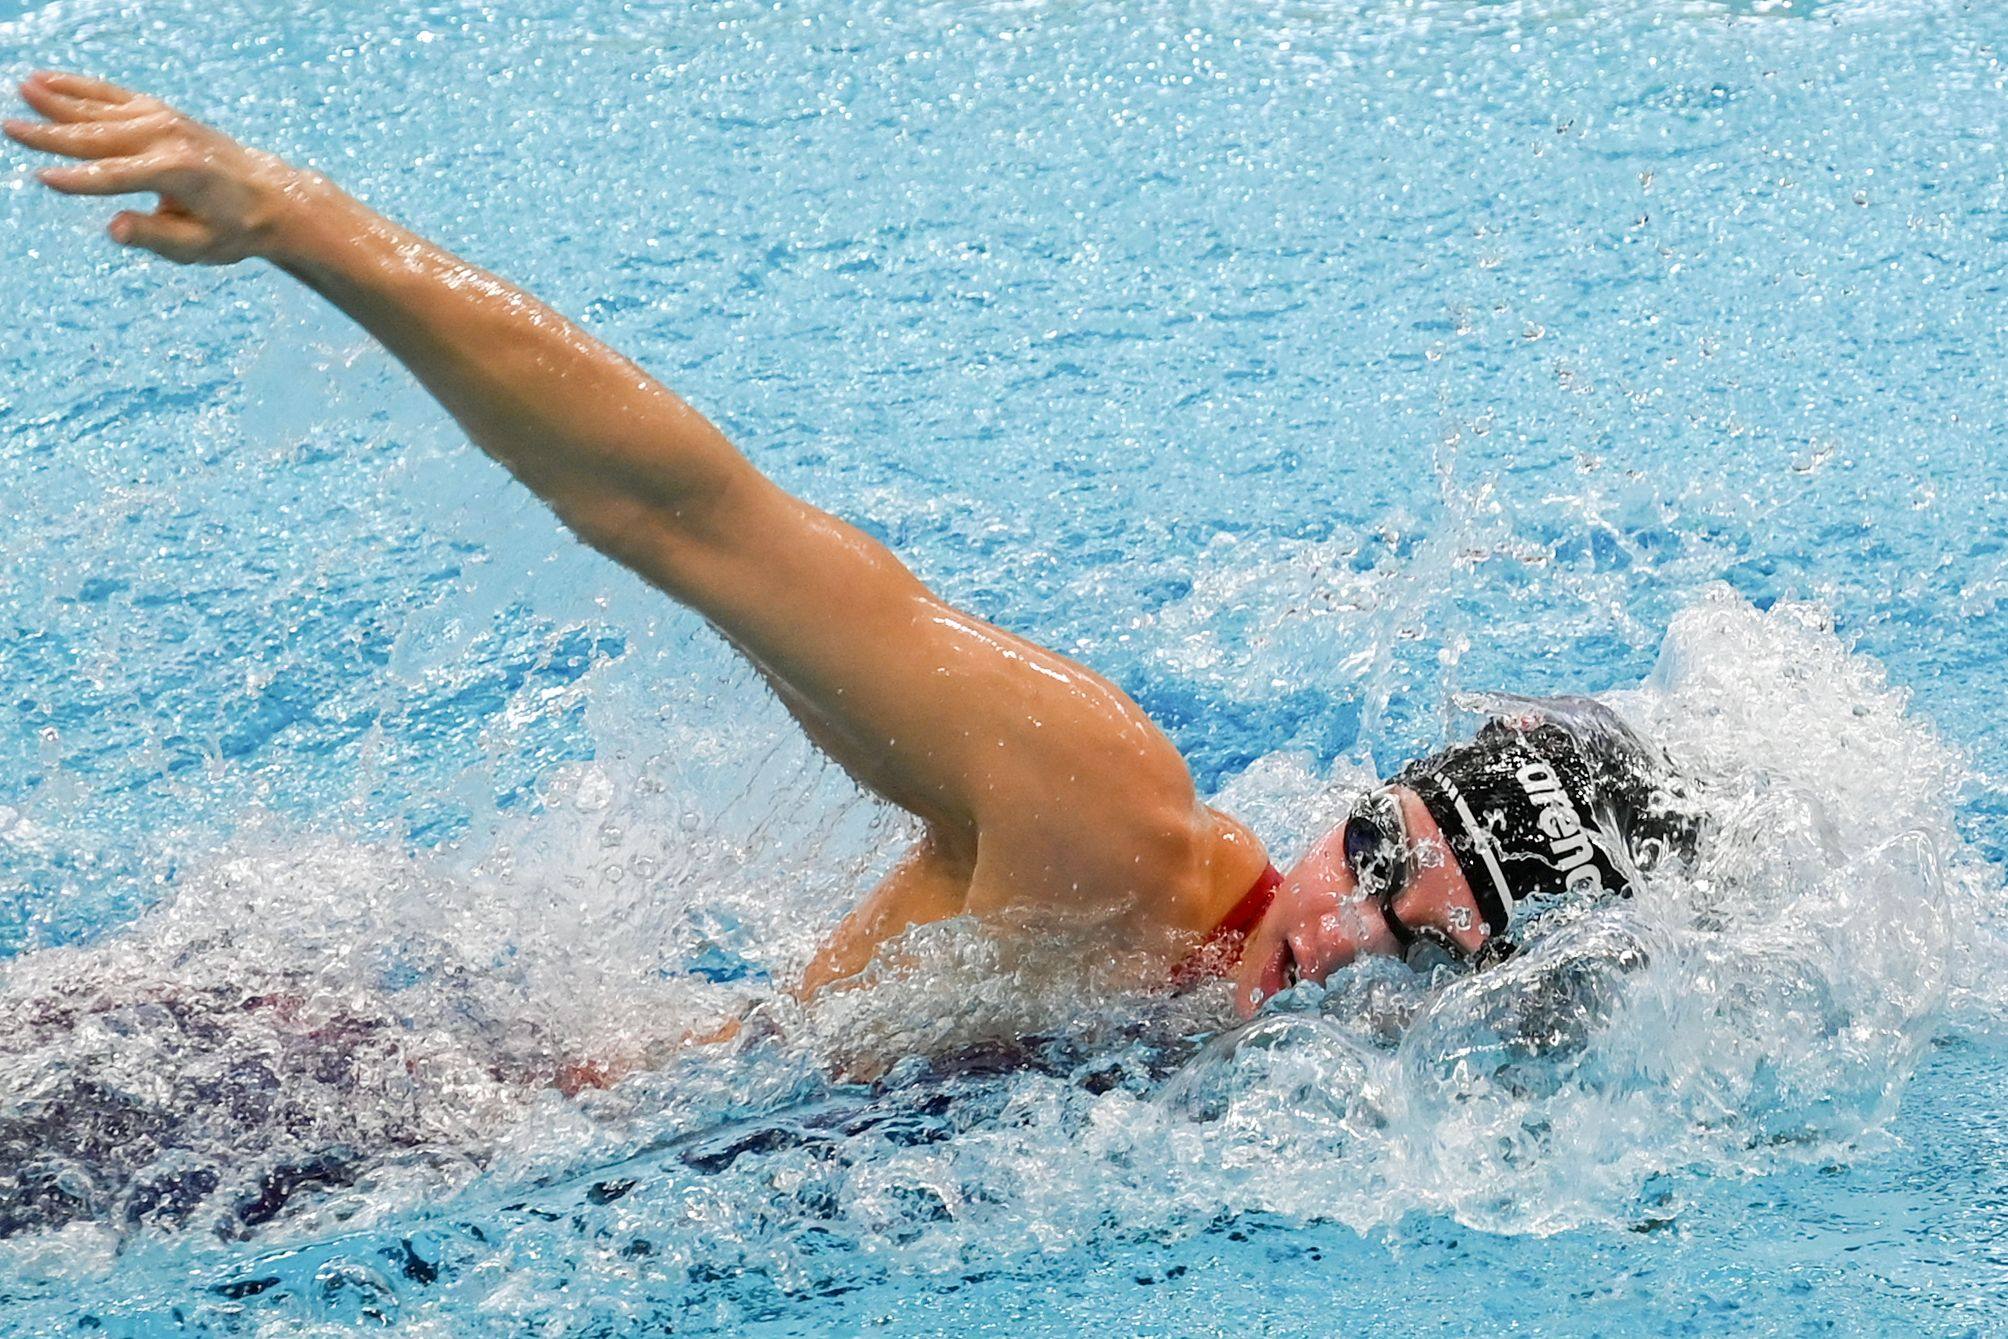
column 1221, row 951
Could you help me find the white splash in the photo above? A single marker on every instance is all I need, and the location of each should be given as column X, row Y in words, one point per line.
column 1768, row 1006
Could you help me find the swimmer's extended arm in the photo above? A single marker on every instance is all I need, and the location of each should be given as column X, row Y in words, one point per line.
column 1037, row 779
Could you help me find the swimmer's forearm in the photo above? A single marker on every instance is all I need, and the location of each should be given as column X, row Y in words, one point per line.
column 574, row 420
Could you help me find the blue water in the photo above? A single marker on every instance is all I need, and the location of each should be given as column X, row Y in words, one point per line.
column 1297, row 367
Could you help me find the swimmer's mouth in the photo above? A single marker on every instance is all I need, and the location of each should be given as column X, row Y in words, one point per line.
column 1278, row 973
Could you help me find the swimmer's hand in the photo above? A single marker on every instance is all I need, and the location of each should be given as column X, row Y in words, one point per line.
column 219, row 201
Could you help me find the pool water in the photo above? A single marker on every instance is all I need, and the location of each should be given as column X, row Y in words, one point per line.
column 1301, row 367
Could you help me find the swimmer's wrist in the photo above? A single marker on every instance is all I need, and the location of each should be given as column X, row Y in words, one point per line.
column 310, row 222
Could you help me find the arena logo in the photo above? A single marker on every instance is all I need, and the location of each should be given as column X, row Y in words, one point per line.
column 1563, row 826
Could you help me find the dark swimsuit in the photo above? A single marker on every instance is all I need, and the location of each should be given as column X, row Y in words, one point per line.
column 1221, row 951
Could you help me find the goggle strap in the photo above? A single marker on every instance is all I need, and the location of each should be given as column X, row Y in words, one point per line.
column 1494, row 895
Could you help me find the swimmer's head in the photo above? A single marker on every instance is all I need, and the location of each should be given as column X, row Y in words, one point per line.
column 1385, row 881
column 1458, row 850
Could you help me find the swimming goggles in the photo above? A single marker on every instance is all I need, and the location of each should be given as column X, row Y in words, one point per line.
column 1383, row 863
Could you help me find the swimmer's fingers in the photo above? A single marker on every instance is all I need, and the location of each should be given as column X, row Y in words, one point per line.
column 84, row 139
column 80, row 86
column 174, row 236
column 219, row 201
column 115, row 176
column 62, row 107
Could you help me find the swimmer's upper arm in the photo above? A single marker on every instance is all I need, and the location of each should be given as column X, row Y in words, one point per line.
column 971, row 728
column 929, row 884
column 974, row 729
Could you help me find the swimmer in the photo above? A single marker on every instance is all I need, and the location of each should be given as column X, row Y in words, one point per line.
column 1039, row 785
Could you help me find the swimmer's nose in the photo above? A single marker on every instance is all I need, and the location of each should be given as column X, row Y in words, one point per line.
column 1318, row 956
column 1307, row 935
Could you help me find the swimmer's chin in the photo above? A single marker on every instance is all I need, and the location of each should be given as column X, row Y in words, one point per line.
column 1263, row 979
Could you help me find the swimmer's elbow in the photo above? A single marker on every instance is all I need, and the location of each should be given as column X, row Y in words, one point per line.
column 619, row 525
column 659, row 529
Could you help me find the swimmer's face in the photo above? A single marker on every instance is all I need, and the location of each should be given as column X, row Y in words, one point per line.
column 1321, row 920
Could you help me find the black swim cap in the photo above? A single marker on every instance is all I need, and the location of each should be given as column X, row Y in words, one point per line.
column 1555, row 797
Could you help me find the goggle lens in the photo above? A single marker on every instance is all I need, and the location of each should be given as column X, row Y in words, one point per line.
column 1377, row 849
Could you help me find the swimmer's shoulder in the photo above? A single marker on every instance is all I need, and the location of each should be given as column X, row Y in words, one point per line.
column 1163, row 860
column 1233, row 861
